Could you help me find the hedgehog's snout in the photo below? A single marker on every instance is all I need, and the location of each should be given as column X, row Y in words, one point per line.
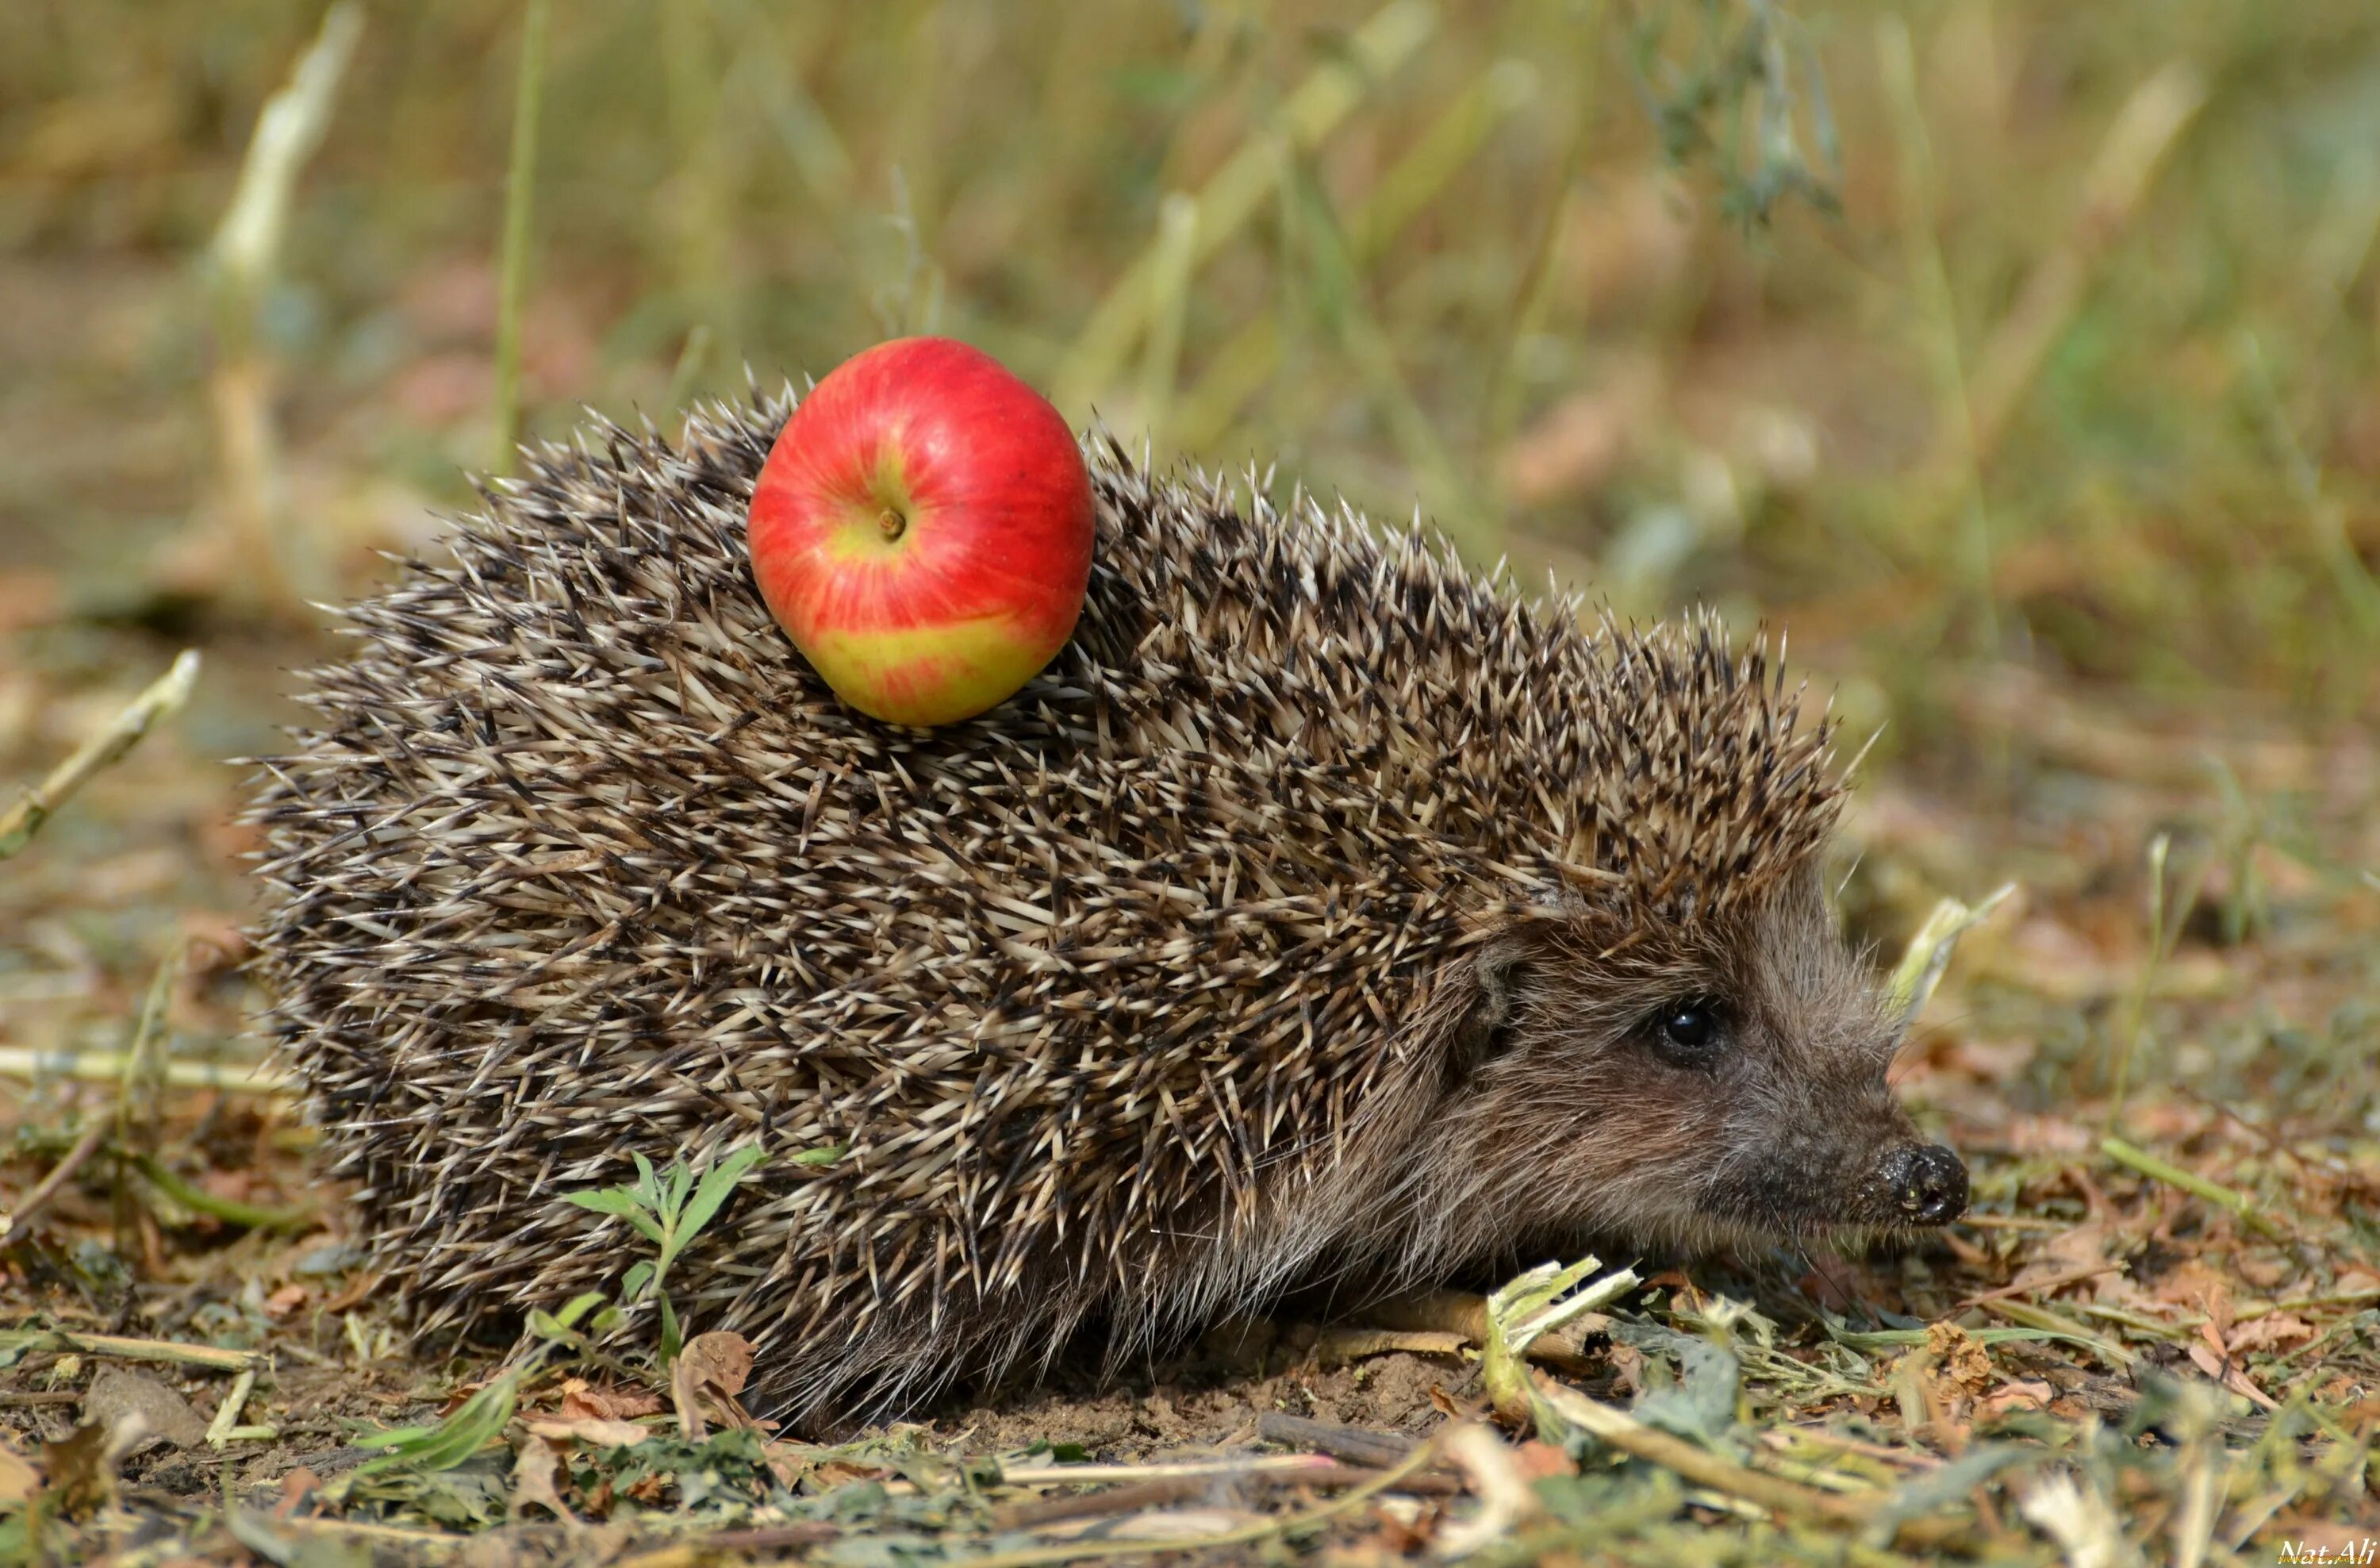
column 1927, row 1183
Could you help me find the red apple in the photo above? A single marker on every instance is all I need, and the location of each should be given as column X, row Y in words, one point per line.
column 922, row 530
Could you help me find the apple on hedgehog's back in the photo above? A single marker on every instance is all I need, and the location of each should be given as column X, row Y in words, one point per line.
column 922, row 531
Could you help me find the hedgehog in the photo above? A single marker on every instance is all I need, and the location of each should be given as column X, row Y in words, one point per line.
column 1325, row 911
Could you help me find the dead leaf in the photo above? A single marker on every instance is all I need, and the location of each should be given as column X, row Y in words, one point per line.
column 715, row 1364
column 285, row 1301
column 1627, row 1371
column 2262, row 1272
column 2263, row 1333
column 2194, row 1285
column 357, row 1291
column 2219, row 1368
column 788, row 1462
column 2077, row 1248
column 721, row 1360
column 1538, row 1459
column 295, row 1487
column 2030, row 1135
column 582, row 1401
column 593, row 1430
column 81, row 1468
column 2017, row 1396
column 1961, row 1364
column 836, row 1472
column 18, row 1480
column 534, row 1465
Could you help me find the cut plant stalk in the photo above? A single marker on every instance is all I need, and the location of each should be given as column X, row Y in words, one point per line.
column 1170, row 290
column 244, row 261
column 107, row 1067
column 1250, row 358
column 2166, row 915
column 1960, row 461
column 1927, row 956
column 1236, row 191
column 2164, row 1170
column 520, row 190
column 1349, row 320
column 1501, row 408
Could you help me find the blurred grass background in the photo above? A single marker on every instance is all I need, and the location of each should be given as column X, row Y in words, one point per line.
column 2021, row 357
column 1453, row 260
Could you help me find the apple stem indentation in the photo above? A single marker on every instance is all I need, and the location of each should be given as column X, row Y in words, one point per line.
column 893, row 524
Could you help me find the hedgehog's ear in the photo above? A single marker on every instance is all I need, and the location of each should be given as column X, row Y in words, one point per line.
column 1484, row 1031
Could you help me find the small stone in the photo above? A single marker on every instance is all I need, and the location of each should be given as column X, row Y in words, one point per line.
column 118, row 1395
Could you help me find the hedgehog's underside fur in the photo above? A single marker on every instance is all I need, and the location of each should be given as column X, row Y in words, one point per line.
column 1112, row 1003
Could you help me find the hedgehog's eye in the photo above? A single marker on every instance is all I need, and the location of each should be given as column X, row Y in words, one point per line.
column 1688, row 1032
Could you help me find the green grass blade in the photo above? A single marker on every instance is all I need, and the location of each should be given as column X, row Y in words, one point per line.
column 717, row 1183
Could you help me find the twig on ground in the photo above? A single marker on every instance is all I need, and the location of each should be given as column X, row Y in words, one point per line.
column 127, row 1349
column 107, row 1066
column 84, row 1147
column 1267, row 1529
column 19, row 822
column 1354, row 1444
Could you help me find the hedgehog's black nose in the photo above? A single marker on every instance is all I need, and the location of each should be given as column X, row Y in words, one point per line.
column 1928, row 1183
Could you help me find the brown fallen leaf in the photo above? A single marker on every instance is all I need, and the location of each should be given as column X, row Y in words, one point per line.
column 357, row 1291
column 721, row 1360
column 2194, row 1285
column 1538, row 1459
column 837, row 1472
column 2017, row 1396
column 18, row 1480
column 535, row 1464
column 716, row 1364
column 2220, row 1368
column 2272, row 1329
column 1961, row 1364
column 81, row 1465
column 295, row 1487
column 593, row 1430
column 582, row 1401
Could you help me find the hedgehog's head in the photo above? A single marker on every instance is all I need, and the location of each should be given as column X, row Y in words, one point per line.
column 1717, row 1081
column 1686, row 1051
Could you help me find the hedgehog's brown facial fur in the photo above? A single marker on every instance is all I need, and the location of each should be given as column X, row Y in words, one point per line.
column 1719, row 1081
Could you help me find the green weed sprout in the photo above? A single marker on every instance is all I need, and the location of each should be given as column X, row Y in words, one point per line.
column 668, row 1208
